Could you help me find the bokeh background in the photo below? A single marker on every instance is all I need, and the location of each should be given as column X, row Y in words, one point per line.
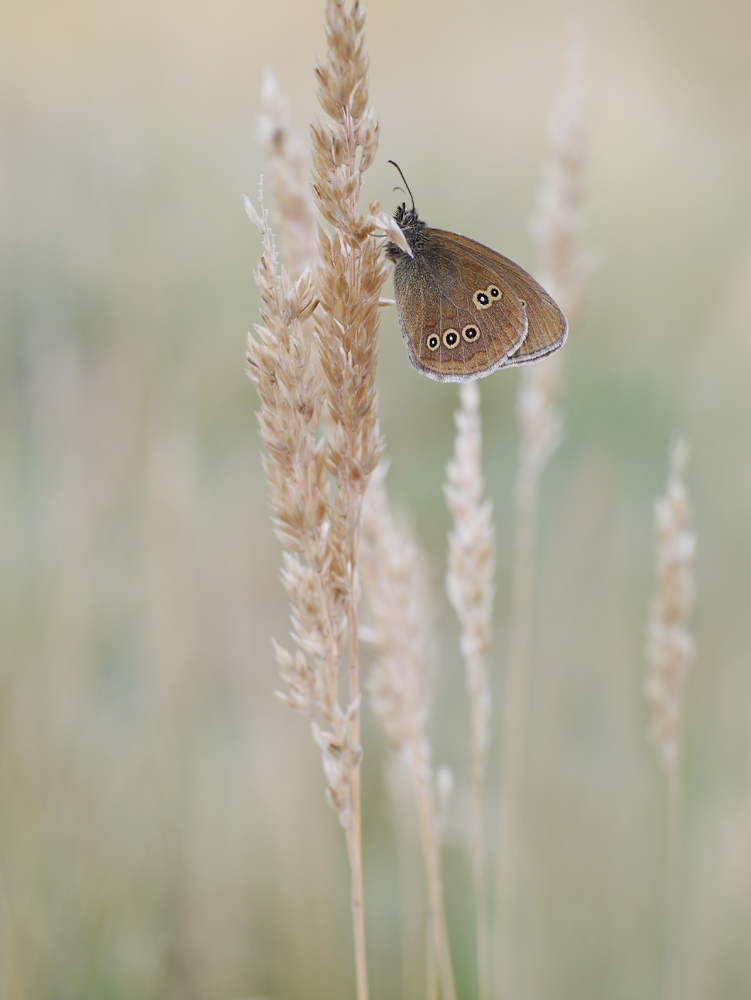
column 163, row 829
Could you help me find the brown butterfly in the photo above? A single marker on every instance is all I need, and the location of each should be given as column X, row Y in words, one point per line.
column 464, row 309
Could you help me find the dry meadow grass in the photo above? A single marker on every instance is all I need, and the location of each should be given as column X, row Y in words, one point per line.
column 164, row 830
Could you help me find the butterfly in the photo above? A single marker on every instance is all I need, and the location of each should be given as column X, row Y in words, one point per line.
column 465, row 310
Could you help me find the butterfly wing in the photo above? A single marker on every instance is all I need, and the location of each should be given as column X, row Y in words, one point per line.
column 547, row 327
column 460, row 319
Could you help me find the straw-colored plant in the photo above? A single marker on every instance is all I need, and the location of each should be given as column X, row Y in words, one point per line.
column 317, row 483
column 557, row 227
column 313, row 362
column 469, row 583
column 671, row 649
column 396, row 593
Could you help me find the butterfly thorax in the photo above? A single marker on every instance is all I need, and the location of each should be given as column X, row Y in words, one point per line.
column 412, row 227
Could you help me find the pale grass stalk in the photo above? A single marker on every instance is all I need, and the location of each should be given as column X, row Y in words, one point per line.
column 469, row 584
column 563, row 271
column 317, row 483
column 289, row 175
column 410, row 877
column 670, row 650
column 557, row 224
column 351, row 274
column 395, row 590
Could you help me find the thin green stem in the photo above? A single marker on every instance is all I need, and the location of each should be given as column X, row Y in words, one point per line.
column 673, row 886
column 437, row 915
column 355, row 838
column 514, row 730
column 482, row 923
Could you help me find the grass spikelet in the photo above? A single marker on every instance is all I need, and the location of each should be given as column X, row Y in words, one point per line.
column 395, row 592
column 469, row 583
column 289, row 175
column 670, row 650
column 670, row 647
column 317, row 483
column 557, row 229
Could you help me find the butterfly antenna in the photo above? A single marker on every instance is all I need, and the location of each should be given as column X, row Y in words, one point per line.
column 394, row 164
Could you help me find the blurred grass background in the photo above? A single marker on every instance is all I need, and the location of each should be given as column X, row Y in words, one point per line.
column 163, row 830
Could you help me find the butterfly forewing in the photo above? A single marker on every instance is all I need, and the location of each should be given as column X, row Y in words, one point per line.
column 465, row 310
column 547, row 327
column 459, row 318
